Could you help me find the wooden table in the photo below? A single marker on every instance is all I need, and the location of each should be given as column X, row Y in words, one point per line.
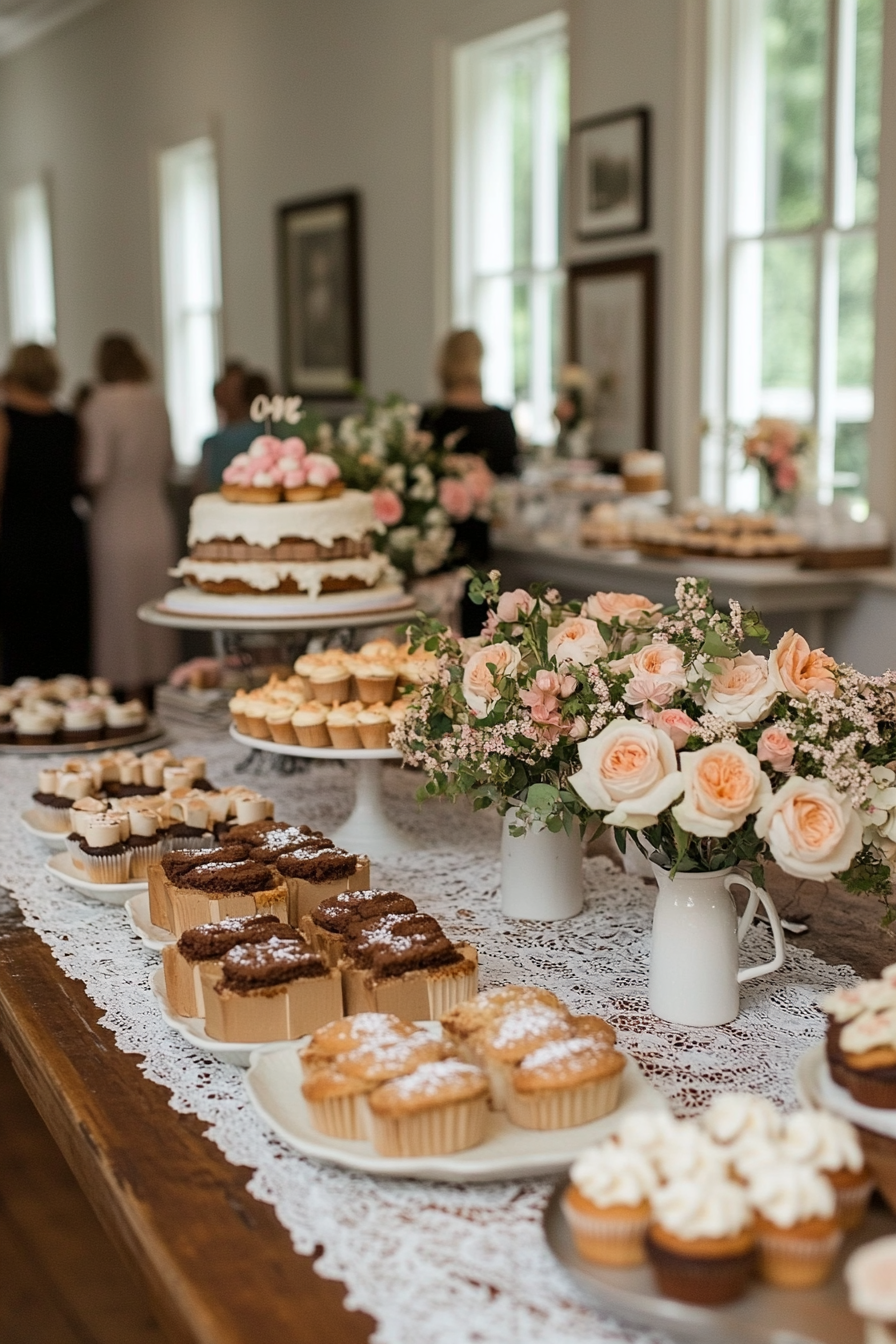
column 219, row 1267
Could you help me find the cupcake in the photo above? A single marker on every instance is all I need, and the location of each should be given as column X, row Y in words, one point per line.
column 330, row 1043
column 868, row 1058
column 441, row 1107
column 333, row 1100
column 105, row 855
column 237, row 706
column 797, row 1227
column 870, row 1274
column 80, row 812
column 342, row 725
column 310, row 724
column 405, row 964
column 315, row 871
column 122, row 720
column 36, row 723
column 342, row 915
column 607, row 1203
column 374, row 727
column 700, row 1241
column 689, row 1154
column 83, row 720
column 502, row 1042
column 303, row 667
column 375, row 681
column 463, row 1024
column 50, row 807
column 257, row 718
column 331, row 683
column 378, row 650
column 565, row 1083
column 144, row 841
column 279, row 721
column 197, row 955
column 733, row 1117
column 831, row 1146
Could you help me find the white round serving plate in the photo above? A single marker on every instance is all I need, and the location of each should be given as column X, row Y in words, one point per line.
column 316, row 753
column 52, row 839
column 815, row 1087
column 764, row 1315
column 191, row 609
column 193, row 1030
column 62, row 866
column 137, row 911
column 151, row 734
column 274, row 1083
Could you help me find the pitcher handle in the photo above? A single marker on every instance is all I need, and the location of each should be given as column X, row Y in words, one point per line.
column 757, row 895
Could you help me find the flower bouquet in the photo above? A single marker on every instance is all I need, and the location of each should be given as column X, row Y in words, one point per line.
column 420, row 489
column 776, row 447
column 664, row 726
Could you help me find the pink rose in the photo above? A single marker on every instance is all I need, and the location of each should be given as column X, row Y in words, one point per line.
column 628, row 608
column 578, row 728
column 455, row 498
column 490, row 624
column 776, row 748
column 387, row 507
column 675, row 722
column 796, row 669
column 657, row 673
column 514, row 604
column 544, row 713
column 552, row 683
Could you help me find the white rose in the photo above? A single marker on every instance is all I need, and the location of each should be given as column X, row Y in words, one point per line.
column 479, row 687
column 742, row 691
column 811, row 829
column 628, row 772
column 723, row 784
column 576, row 640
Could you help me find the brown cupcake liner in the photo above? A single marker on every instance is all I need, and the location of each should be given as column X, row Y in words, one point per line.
column 876, row 1088
column 852, row 1200
column 789, row 1260
column 707, row 1281
column 563, row 1108
column 284, row 733
column 373, row 690
column 442, row 1129
column 614, row 1237
column 258, row 727
column 374, row 736
column 345, row 737
column 880, row 1154
column 332, row 692
column 313, row 735
column 338, row 1117
column 241, row 722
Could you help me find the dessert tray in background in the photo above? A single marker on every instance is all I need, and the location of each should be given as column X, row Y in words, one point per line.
column 151, row 734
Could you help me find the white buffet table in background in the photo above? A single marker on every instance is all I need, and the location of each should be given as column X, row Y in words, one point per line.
column 850, row 612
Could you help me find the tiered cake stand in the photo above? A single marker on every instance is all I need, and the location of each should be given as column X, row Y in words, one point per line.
column 368, row 829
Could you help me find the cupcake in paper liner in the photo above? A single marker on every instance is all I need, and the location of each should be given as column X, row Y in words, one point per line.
column 333, row 1102
column 701, row 1240
column 448, row 986
column 797, row 1228
column 105, row 855
column 565, row 1083
column 144, row 843
column 441, row 1107
column 607, row 1203
column 831, row 1145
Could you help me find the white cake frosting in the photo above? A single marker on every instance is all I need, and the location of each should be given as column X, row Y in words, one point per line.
column 734, row 1115
column 701, row 1208
column 611, row 1174
column 788, row 1193
column 823, row 1140
column 323, row 521
column 265, row 576
column 689, row 1153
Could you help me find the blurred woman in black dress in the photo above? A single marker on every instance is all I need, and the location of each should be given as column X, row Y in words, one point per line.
column 44, row 578
column 465, row 423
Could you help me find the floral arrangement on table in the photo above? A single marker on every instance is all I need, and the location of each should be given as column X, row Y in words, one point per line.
column 661, row 724
column 778, row 448
column 420, row 489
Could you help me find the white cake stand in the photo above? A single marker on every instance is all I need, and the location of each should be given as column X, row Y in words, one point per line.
column 156, row 613
column 368, row 829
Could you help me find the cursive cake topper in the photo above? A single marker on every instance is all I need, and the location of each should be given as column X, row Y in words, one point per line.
column 274, row 409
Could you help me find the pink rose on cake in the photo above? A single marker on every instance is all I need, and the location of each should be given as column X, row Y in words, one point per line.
column 812, row 830
column 723, row 785
column 479, row 689
column 629, row 773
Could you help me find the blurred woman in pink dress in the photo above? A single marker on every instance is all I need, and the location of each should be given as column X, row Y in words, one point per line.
column 126, row 465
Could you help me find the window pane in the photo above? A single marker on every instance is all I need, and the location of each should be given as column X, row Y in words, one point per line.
column 788, row 306
column 869, row 43
column 522, row 338
column 521, row 95
column 795, row 53
column 855, row 337
column 851, row 461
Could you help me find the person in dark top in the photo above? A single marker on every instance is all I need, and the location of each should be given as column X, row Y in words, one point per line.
column 465, row 423
column 44, row 575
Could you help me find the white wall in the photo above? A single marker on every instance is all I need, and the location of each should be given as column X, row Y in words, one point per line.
column 303, row 96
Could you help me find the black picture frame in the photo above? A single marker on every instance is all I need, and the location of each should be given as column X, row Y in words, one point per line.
column 612, row 328
column 609, row 174
column 319, row 266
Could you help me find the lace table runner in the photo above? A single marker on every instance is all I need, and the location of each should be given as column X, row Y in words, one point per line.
column 434, row 1264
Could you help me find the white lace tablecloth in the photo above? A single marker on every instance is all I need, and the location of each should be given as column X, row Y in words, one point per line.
column 434, row 1264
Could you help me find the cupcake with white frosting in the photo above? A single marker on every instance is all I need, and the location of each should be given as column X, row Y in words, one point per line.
column 144, row 840
column 79, row 814
column 797, row 1228
column 331, row 683
column 733, row 1117
column 607, row 1203
column 831, row 1145
column 122, row 720
column 310, row 724
column 36, row 723
column 701, row 1240
column 870, row 1274
column 105, row 853
column 83, row 720
column 374, row 727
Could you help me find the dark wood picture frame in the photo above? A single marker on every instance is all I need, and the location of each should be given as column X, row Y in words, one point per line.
column 644, row 266
column 637, row 218
column 321, row 353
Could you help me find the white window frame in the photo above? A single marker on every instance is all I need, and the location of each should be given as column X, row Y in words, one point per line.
column 191, row 291
column 728, row 225
column 30, row 274
column 476, row 166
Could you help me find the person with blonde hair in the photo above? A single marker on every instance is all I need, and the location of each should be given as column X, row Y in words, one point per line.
column 464, row 422
column 128, row 458
column 44, row 579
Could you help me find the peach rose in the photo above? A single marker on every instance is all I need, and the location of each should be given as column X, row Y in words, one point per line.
column 479, row 687
column 627, row 608
column 796, row 669
column 455, row 498
column 674, row 722
column 811, row 829
column 387, row 507
column 657, row 673
column 629, row 773
column 576, row 640
column 723, row 784
column 512, row 605
column 775, row 747
column 742, row 691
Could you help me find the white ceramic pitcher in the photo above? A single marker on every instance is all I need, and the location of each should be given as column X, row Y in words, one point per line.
column 695, row 976
column 541, row 872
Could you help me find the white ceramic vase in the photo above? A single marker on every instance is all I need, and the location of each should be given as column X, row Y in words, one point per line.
column 695, row 976
column 541, row 872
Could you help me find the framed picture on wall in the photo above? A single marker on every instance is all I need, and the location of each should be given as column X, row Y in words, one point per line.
column 612, row 316
column 609, row 174
column 320, row 295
